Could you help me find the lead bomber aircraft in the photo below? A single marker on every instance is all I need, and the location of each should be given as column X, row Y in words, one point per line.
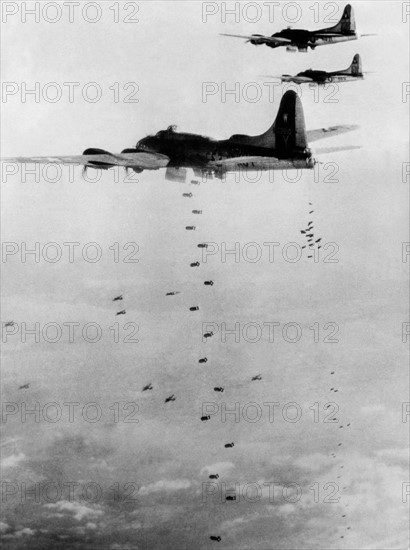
column 301, row 39
column 283, row 146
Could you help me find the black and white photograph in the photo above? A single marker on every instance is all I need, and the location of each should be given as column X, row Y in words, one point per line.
column 205, row 260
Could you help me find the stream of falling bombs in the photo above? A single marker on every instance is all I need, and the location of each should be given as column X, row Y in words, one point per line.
column 230, row 496
column 334, row 389
column 337, row 445
column 310, row 236
column 311, row 243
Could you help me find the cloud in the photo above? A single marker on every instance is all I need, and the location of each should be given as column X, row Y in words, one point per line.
column 286, row 509
column 79, row 510
column 313, row 462
column 165, row 485
column 233, row 523
column 24, row 532
column 396, row 454
column 3, row 527
column 12, row 460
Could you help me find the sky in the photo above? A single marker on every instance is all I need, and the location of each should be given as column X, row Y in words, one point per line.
column 145, row 485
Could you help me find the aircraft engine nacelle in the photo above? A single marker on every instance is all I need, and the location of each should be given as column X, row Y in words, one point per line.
column 135, row 169
column 256, row 39
column 97, row 164
column 94, row 151
column 291, row 49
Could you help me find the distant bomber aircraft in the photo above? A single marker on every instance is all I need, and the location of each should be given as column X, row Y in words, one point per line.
column 301, row 39
column 170, row 398
column 285, row 145
column 353, row 72
column 117, row 298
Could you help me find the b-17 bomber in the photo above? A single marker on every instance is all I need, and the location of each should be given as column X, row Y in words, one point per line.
column 285, row 145
column 301, row 39
column 352, row 73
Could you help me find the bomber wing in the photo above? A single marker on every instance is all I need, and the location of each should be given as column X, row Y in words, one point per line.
column 259, row 39
column 320, row 133
column 290, row 78
column 139, row 160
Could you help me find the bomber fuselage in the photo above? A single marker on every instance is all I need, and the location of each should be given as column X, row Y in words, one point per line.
column 302, row 38
column 186, row 149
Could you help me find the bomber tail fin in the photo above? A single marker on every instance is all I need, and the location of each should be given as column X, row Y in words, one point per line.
column 346, row 25
column 289, row 126
column 287, row 135
column 355, row 67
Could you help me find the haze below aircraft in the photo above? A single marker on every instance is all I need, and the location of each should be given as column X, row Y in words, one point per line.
column 285, row 145
column 311, row 76
column 302, row 39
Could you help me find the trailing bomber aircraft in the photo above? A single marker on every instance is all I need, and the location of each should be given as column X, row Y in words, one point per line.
column 301, row 39
column 311, row 76
column 285, row 145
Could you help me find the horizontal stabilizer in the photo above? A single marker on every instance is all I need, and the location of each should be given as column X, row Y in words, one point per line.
column 320, row 133
column 326, row 150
